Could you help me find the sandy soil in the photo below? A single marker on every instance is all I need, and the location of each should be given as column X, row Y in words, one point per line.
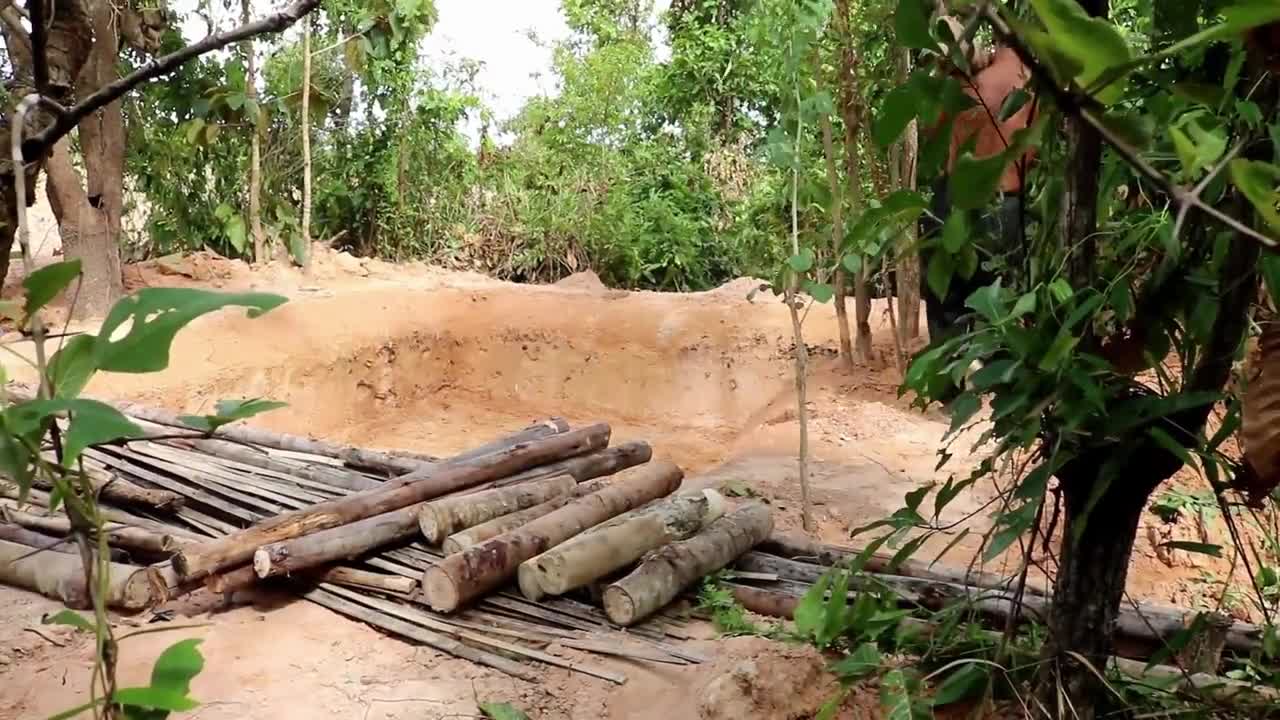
column 408, row 356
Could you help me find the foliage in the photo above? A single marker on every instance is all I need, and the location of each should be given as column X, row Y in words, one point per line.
column 727, row 614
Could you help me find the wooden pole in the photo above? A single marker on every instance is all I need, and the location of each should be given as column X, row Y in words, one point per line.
column 116, row 489
column 245, row 577
column 198, row 561
column 590, row 466
column 121, row 536
column 60, row 576
column 33, row 539
column 673, row 568
column 464, row 539
column 613, row 545
column 441, row 518
column 343, row 542
column 480, row 568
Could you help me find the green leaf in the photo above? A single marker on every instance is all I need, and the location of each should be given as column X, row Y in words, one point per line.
column 1061, row 290
column 71, row 368
column 963, row 408
column 195, row 128
column 153, row 316
column 229, row 411
column 502, row 711
column 955, row 232
column 853, row 263
column 899, row 107
column 939, row 274
column 895, row 696
column 1015, row 101
column 802, row 262
column 1134, row 128
column 71, row 619
column 1258, row 181
column 975, row 180
column 1025, row 306
column 1194, row 547
column 809, row 614
column 988, row 301
column 1062, row 346
column 969, row 680
column 43, row 285
column 155, row 699
column 1093, row 43
column 911, row 24
column 1271, row 642
column 821, row 292
column 862, row 662
column 177, row 665
column 94, row 423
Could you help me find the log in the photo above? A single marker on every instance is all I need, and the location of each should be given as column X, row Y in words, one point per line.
column 60, row 576
column 673, row 568
column 245, row 577
column 336, row 477
column 468, row 574
column 613, row 545
column 460, row 541
column 121, row 536
column 763, row 601
column 440, row 518
column 115, row 489
column 590, row 466
column 339, row 543
column 32, row 539
column 237, row 548
column 538, row 430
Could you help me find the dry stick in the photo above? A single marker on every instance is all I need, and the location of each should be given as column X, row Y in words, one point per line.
column 802, row 352
column 471, row 536
column 673, row 568
column 324, row 597
column 306, row 146
column 196, row 562
column 121, row 536
column 480, row 568
column 441, row 518
column 244, row 577
column 61, row 577
column 612, row 545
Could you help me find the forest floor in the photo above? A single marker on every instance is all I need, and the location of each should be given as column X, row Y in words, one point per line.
column 409, row 356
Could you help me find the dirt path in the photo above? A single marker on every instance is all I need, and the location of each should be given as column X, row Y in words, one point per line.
column 413, row 357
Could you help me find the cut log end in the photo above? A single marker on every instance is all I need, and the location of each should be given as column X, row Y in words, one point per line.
column 143, row 589
column 441, row 592
column 619, row 606
column 527, row 576
column 262, row 562
column 430, row 526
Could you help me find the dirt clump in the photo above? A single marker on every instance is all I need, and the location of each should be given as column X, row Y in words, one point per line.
column 758, row 678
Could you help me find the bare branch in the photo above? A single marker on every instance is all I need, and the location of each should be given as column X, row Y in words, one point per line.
column 39, row 54
column 36, row 145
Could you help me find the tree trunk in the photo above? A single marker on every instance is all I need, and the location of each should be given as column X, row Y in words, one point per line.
column 481, row 568
column 837, row 243
column 619, row 542
column 673, row 568
column 305, row 260
column 907, row 264
column 260, row 252
column 442, row 518
column 61, row 576
column 196, row 562
column 87, row 231
column 464, row 539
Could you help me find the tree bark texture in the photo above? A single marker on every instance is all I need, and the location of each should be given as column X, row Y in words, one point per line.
column 60, row 576
column 196, row 562
column 464, row 539
column 121, row 491
column 675, row 567
column 462, row 577
column 121, row 536
column 612, row 545
column 442, row 518
column 343, row 542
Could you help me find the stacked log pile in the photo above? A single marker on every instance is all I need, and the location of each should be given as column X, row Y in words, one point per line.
column 425, row 548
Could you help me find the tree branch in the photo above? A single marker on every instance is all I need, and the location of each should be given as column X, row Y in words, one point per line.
column 38, row 144
column 39, row 54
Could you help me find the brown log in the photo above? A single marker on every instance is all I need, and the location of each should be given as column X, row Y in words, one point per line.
column 199, row 561
column 612, row 545
column 32, row 539
column 480, row 568
column 464, row 539
column 589, row 466
column 60, row 576
column 763, row 601
column 339, row 543
column 113, row 488
column 441, row 518
column 673, row 568
column 245, row 577
column 121, row 536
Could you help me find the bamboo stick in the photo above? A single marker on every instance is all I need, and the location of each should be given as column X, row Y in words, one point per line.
column 480, row 568
column 673, row 568
column 614, row 544
column 441, row 518
column 196, row 562
column 60, row 576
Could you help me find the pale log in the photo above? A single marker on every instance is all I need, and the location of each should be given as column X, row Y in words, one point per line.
column 237, row 548
column 617, row 543
column 60, row 576
column 440, row 518
column 339, row 543
column 121, row 536
column 468, row 574
column 33, row 539
column 245, row 577
column 464, row 539
column 671, row 569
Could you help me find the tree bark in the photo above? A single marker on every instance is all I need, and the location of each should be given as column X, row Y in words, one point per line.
column 907, row 264
column 118, row 490
column 245, row 577
column 121, row 536
column 15, row 533
column 464, row 539
column 305, row 261
column 343, row 542
column 196, row 562
column 483, row 567
column 442, row 518
column 617, row 543
column 590, row 466
column 260, row 252
column 675, row 567
column 61, row 576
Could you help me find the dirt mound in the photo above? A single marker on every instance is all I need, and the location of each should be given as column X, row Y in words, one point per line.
column 758, row 678
column 585, row 280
